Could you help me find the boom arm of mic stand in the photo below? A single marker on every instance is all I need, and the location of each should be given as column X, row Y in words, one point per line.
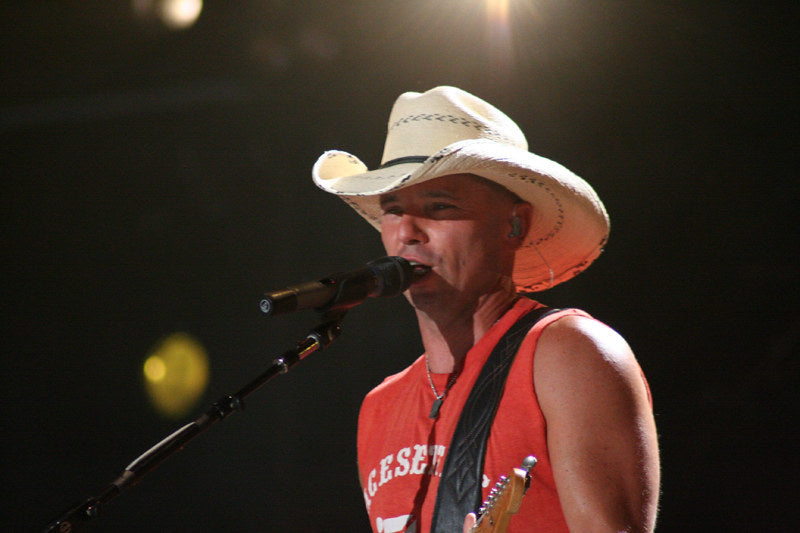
column 318, row 338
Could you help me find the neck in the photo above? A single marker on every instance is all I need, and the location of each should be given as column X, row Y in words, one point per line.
column 450, row 332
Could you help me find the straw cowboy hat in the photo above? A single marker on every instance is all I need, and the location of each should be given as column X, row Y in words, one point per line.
column 449, row 131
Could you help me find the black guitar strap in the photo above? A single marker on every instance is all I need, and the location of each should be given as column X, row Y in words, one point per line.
column 460, row 487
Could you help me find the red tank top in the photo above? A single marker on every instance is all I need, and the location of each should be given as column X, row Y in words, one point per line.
column 401, row 450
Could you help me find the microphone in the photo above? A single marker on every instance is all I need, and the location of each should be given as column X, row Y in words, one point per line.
column 384, row 277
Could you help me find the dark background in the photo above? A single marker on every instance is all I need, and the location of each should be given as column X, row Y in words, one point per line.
column 157, row 181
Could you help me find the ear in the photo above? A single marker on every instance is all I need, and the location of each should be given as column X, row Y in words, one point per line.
column 520, row 223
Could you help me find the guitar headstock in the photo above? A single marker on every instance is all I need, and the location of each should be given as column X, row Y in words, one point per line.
column 504, row 499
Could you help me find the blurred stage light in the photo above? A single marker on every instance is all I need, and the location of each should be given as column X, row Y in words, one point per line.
column 497, row 9
column 499, row 41
column 176, row 374
column 174, row 14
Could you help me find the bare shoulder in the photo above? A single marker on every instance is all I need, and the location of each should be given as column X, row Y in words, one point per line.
column 581, row 359
column 583, row 344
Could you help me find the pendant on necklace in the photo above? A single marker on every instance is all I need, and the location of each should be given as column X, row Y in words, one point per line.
column 437, row 403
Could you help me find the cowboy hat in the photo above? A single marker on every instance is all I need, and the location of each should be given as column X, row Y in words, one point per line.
column 449, row 131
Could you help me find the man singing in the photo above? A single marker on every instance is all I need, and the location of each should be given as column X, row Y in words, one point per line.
column 459, row 193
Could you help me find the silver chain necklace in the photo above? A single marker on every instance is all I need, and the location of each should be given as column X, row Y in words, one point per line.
column 437, row 403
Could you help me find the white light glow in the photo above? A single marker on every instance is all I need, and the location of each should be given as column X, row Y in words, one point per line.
column 174, row 14
column 497, row 10
column 180, row 14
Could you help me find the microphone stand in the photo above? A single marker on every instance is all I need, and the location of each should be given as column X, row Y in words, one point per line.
column 318, row 338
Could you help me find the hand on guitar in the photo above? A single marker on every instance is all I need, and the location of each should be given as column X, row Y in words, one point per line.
column 469, row 522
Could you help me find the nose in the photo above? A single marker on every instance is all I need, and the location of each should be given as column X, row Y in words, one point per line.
column 410, row 230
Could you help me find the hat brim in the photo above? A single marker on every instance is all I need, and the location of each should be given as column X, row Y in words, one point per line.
column 569, row 228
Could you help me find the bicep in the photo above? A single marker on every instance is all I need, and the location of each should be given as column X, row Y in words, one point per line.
column 600, row 430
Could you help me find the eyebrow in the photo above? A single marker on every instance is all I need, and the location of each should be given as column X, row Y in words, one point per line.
column 387, row 199
column 436, row 193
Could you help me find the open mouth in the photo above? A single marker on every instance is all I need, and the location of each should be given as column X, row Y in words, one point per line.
column 419, row 269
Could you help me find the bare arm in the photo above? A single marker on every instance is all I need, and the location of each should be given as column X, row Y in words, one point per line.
column 601, row 434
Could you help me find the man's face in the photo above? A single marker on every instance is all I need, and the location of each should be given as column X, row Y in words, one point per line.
column 458, row 225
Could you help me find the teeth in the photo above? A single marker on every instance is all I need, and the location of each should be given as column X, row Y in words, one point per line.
column 419, row 268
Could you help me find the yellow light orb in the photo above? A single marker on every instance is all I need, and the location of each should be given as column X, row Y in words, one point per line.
column 176, row 374
column 154, row 369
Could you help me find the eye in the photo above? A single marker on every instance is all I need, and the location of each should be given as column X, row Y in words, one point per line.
column 439, row 210
column 392, row 210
